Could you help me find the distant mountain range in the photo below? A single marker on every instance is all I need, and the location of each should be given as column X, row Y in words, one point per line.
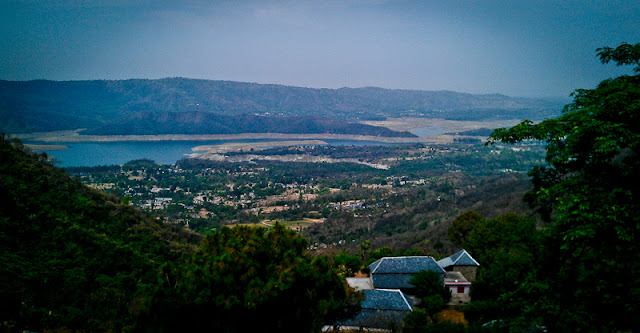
column 189, row 106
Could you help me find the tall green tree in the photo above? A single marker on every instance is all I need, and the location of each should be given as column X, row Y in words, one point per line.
column 347, row 264
column 73, row 258
column 587, row 275
column 429, row 287
column 249, row 279
column 462, row 226
column 506, row 248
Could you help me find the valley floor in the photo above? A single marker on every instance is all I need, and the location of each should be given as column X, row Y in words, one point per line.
column 438, row 126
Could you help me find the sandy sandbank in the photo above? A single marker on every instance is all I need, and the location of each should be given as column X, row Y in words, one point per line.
column 76, row 137
column 396, row 124
column 45, row 147
column 248, row 146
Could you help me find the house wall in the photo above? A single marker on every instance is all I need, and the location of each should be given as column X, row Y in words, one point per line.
column 454, row 291
column 459, row 299
column 469, row 272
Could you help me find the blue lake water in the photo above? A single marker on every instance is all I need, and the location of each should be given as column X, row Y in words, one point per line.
column 164, row 152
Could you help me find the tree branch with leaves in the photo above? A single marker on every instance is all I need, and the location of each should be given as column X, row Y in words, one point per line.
column 589, row 181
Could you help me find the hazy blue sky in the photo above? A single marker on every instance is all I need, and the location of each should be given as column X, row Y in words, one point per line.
column 519, row 48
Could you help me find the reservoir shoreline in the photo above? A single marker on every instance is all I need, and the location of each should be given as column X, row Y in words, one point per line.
column 435, row 130
column 216, row 137
column 70, row 148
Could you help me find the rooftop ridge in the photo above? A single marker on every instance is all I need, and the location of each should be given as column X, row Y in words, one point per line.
column 405, row 300
column 404, row 265
column 379, row 261
column 462, row 253
column 453, row 259
column 403, row 295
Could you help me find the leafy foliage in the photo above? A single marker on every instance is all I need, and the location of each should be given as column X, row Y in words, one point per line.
column 588, row 188
column 347, row 264
column 247, row 278
column 75, row 259
column 419, row 321
column 507, row 247
column 428, row 286
column 462, row 226
column 200, row 122
column 72, row 257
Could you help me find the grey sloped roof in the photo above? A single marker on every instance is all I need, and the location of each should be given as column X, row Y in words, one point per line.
column 382, row 308
column 404, row 265
column 384, row 319
column 387, row 299
column 460, row 258
column 454, row 277
column 396, row 272
column 392, row 281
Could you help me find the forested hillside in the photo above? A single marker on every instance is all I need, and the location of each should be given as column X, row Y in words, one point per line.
column 76, row 259
column 31, row 106
column 579, row 273
column 71, row 256
column 198, row 122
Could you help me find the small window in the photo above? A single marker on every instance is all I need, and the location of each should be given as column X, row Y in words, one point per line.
column 460, row 290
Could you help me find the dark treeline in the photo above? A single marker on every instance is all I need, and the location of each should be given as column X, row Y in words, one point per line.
column 576, row 271
column 76, row 259
column 200, row 122
column 364, row 153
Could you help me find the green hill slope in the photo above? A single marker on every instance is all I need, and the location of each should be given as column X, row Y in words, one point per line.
column 196, row 122
column 71, row 256
column 73, row 259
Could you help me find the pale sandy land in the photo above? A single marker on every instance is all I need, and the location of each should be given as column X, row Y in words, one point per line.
column 407, row 124
column 46, row 147
column 397, row 124
column 213, row 156
column 40, row 135
column 247, row 146
column 216, row 153
column 75, row 137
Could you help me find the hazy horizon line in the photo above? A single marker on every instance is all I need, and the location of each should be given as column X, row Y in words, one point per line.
column 297, row 86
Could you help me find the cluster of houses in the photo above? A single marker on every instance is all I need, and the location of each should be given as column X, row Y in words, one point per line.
column 387, row 290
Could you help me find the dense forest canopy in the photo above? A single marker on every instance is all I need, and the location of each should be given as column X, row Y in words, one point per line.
column 199, row 122
column 73, row 258
column 584, row 277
